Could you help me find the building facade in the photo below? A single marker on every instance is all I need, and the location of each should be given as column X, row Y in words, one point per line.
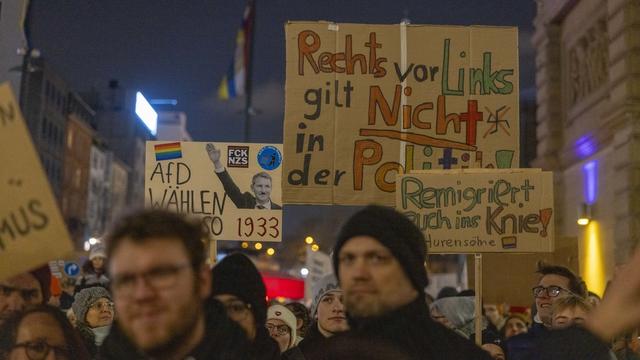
column 172, row 126
column 588, row 112
column 44, row 98
column 74, row 199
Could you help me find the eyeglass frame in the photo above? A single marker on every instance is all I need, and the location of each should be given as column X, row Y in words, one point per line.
column 546, row 290
column 278, row 329
column 132, row 279
column 244, row 312
column 47, row 347
column 98, row 305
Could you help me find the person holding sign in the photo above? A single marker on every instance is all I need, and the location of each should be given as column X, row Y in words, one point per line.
column 379, row 261
column 261, row 186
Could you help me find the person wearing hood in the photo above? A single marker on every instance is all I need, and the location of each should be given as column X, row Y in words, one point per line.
column 328, row 313
column 459, row 312
column 94, row 271
column 237, row 284
column 379, row 260
column 281, row 324
column 93, row 308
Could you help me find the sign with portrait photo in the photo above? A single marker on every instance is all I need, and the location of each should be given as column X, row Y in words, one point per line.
column 233, row 187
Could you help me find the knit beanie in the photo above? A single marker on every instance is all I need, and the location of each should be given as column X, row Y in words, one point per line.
column 282, row 313
column 85, row 298
column 236, row 275
column 393, row 230
column 97, row 250
column 326, row 284
column 43, row 275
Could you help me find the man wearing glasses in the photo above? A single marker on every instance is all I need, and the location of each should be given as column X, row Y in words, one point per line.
column 160, row 283
column 554, row 283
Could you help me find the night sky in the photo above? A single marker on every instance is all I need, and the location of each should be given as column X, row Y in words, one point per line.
column 181, row 49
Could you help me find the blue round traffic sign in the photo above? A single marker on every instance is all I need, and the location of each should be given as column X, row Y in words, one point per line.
column 71, row 269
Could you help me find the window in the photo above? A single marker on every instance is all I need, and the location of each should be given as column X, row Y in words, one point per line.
column 70, row 138
column 44, row 127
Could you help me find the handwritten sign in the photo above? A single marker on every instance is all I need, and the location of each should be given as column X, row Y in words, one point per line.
column 367, row 102
column 475, row 211
column 32, row 231
column 234, row 188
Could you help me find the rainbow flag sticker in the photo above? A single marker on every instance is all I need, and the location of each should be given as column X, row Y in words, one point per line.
column 168, row 151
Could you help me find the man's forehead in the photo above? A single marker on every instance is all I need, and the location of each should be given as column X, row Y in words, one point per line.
column 333, row 293
column 21, row 281
column 554, row 280
column 132, row 254
column 363, row 244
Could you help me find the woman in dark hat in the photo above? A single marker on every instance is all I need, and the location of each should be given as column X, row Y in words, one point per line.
column 237, row 284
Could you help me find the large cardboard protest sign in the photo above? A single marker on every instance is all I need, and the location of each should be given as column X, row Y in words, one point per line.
column 477, row 210
column 32, row 231
column 510, row 277
column 240, row 201
column 366, row 102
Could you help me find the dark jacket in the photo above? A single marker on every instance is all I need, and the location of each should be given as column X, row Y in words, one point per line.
column 264, row 347
column 411, row 330
column 313, row 342
column 567, row 344
column 223, row 340
column 525, row 346
column 242, row 200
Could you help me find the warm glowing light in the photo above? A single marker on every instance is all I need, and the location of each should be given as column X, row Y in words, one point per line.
column 308, row 240
column 583, row 221
column 244, row 245
column 270, row 251
column 258, row 246
column 593, row 269
column 315, row 247
column 280, row 299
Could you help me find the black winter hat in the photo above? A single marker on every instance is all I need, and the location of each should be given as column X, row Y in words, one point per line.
column 396, row 232
column 236, row 275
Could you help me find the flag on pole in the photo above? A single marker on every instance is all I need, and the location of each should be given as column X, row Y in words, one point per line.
column 234, row 82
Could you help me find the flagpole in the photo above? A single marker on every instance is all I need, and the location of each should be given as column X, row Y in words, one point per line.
column 249, row 76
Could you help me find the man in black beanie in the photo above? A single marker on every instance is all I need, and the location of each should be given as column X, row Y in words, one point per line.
column 237, row 284
column 379, row 259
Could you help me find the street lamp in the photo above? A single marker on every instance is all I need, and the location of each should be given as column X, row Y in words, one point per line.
column 308, row 240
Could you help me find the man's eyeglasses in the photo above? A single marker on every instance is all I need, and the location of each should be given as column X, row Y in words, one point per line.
column 551, row 291
column 38, row 350
column 100, row 304
column 160, row 277
column 278, row 329
column 237, row 310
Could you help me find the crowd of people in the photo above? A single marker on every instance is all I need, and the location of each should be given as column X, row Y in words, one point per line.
column 149, row 294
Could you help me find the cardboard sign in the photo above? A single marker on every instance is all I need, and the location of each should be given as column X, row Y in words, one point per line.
column 366, row 102
column 240, row 201
column 32, row 231
column 508, row 278
column 476, row 210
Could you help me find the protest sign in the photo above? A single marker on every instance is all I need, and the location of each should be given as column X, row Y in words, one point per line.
column 240, row 201
column 366, row 102
column 478, row 210
column 510, row 277
column 32, row 231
